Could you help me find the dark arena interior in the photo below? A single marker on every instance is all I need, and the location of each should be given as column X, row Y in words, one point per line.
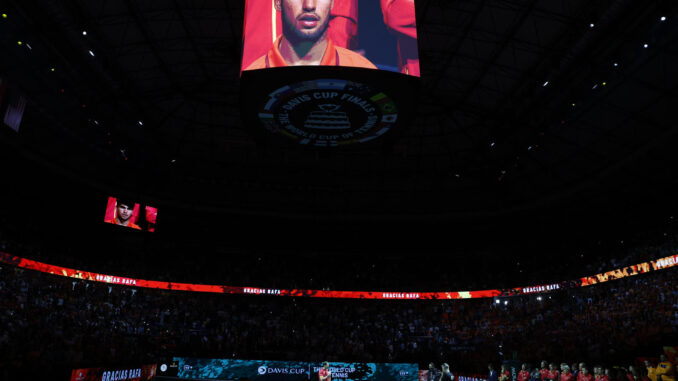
column 513, row 214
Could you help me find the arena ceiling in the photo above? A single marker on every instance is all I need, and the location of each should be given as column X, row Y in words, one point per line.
column 522, row 103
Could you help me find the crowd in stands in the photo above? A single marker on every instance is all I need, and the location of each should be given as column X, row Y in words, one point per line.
column 52, row 321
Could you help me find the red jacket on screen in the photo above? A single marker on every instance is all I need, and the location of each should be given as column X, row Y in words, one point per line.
column 265, row 25
column 400, row 17
column 129, row 224
column 344, row 24
column 587, row 377
column 553, row 375
column 523, row 375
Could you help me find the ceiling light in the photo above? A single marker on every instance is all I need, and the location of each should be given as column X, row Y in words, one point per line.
column 615, row 64
column 645, row 46
column 591, row 25
column 84, row 33
column 91, row 53
column 663, row 18
column 140, row 123
column 545, row 84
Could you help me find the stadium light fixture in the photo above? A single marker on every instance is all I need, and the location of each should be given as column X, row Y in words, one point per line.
column 539, row 298
column 505, row 302
column 19, row 42
column 615, row 64
column 141, row 123
column 91, row 53
column 497, row 301
column 545, row 84
column 52, row 69
column 646, row 46
column 591, row 25
column 492, row 144
column 84, row 33
column 663, row 18
column 4, row 16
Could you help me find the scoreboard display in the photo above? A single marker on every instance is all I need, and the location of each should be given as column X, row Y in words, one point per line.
column 328, row 73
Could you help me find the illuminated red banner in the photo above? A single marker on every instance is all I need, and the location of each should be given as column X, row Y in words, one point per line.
column 140, row 373
column 645, row 267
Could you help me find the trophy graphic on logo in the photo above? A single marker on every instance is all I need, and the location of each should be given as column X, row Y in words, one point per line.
column 328, row 118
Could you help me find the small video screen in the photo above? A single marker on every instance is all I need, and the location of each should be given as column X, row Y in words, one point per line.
column 131, row 214
column 373, row 34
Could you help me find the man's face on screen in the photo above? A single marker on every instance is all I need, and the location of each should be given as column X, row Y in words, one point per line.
column 305, row 20
column 124, row 212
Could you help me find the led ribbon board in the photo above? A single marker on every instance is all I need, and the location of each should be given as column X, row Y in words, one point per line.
column 620, row 273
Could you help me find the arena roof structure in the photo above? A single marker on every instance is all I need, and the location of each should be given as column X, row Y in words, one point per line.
column 522, row 104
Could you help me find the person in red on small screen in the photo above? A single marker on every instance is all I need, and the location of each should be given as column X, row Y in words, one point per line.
column 123, row 214
column 305, row 39
column 325, row 374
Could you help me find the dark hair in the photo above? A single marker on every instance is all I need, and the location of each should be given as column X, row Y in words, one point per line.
column 119, row 201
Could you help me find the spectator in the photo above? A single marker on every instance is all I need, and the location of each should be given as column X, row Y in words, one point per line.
column 566, row 374
column 504, row 374
column 445, row 374
column 433, row 373
column 524, row 374
column 665, row 370
column 492, row 376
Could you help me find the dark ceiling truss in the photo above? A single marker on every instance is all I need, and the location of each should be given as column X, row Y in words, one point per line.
column 482, row 103
column 579, row 125
column 142, row 24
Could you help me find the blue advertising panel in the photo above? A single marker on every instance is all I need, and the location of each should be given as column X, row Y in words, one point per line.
column 264, row 370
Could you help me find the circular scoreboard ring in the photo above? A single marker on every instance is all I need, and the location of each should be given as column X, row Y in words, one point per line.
column 328, row 112
column 326, row 106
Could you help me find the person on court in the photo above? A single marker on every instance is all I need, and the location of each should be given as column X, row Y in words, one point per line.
column 325, row 374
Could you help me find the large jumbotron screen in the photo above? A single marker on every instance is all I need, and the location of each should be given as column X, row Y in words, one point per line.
column 375, row 34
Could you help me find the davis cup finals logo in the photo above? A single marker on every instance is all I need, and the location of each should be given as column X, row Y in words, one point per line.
column 328, row 113
column 262, row 369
